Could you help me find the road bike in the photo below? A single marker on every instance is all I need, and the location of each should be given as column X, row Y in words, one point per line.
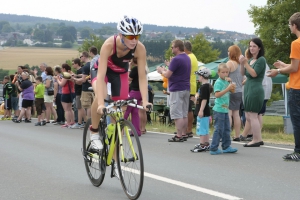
column 121, row 145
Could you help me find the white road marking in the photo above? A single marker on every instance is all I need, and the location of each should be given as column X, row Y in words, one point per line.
column 185, row 185
column 191, row 187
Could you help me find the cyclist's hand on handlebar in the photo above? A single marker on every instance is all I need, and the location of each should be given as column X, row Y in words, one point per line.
column 147, row 106
column 100, row 109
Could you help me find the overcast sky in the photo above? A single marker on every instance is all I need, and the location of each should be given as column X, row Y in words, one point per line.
column 230, row 15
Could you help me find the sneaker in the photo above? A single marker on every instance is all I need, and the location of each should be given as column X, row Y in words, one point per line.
column 199, row 148
column 218, row 151
column 38, row 124
column 54, row 122
column 176, row 139
column 61, row 123
column 43, row 123
column 27, row 121
column 75, row 126
column 96, row 145
column 242, row 138
column 237, row 139
column 292, row 157
column 17, row 121
column 82, row 125
column 65, row 126
column 250, row 136
column 230, row 150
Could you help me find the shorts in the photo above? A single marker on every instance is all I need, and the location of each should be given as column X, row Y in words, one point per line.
column 119, row 83
column 263, row 108
column 87, row 99
column 39, row 105
column 27, row 103
column 14, row 103
column 179, row 103
column 48, row 99
column 7, row 104
column 67, row 98
column 235, row 100
column 78, row 102
column 191, row 104
column 202, row 127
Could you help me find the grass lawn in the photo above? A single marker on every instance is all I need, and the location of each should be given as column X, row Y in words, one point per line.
column 272, row 131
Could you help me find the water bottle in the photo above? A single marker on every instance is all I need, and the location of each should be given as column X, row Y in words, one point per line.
column 109, row 132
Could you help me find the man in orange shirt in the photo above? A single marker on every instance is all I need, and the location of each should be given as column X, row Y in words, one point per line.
column 294, row 82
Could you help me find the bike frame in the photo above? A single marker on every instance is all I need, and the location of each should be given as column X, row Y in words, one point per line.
column 119, row 117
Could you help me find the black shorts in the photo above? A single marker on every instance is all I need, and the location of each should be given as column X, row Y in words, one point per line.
column 7, row 104
column 263, row 108
column 191, row 104
column 27, row 103
column 119, row 83
column 67, row 98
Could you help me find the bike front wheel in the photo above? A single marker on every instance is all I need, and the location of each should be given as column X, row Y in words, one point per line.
column 93, row 160
column 130, row 166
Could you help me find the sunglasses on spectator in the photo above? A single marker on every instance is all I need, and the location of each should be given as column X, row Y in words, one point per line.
column 131, row 37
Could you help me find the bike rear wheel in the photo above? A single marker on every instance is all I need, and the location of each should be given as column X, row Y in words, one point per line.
column 94, row 161
column 131, row 171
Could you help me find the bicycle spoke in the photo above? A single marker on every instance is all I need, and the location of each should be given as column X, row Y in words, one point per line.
column 131, row 170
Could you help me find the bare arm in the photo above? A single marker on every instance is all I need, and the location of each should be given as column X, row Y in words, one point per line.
column 141, row 60
column 101, row 89
column 203, row 104
column 244, row 62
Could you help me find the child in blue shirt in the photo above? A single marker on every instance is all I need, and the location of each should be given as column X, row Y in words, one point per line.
column 221, row 123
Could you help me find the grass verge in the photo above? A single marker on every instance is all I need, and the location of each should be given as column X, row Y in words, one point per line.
column 272, row 131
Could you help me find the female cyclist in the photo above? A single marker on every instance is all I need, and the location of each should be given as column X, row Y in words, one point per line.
column 115, row 54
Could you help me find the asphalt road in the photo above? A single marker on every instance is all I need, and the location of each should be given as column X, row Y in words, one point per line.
column 46, row 163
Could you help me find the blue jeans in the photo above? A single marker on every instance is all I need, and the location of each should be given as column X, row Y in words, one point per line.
column 222, row 130
column 294, row 105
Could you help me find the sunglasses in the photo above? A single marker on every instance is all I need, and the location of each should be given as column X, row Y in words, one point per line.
column 131, row 37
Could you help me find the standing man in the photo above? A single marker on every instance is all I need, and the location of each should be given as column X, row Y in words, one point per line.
column 94, row 54
column 193, row 85
column 294, row 82
column 87, row 96
column 78, row 90
column 43, row 68
column 178, row 73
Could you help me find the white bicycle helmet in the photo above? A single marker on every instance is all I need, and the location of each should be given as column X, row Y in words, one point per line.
column 130, row 26
column 205, row 72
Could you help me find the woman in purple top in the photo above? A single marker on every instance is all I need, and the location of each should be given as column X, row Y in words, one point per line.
column 28, row 97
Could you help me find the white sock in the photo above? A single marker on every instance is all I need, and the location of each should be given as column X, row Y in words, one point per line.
column 95, row 136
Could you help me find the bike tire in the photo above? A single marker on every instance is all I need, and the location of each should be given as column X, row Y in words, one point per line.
column 131, row 173
column 93, row 165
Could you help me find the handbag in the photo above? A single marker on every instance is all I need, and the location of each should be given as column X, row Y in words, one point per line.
column 50, row 92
